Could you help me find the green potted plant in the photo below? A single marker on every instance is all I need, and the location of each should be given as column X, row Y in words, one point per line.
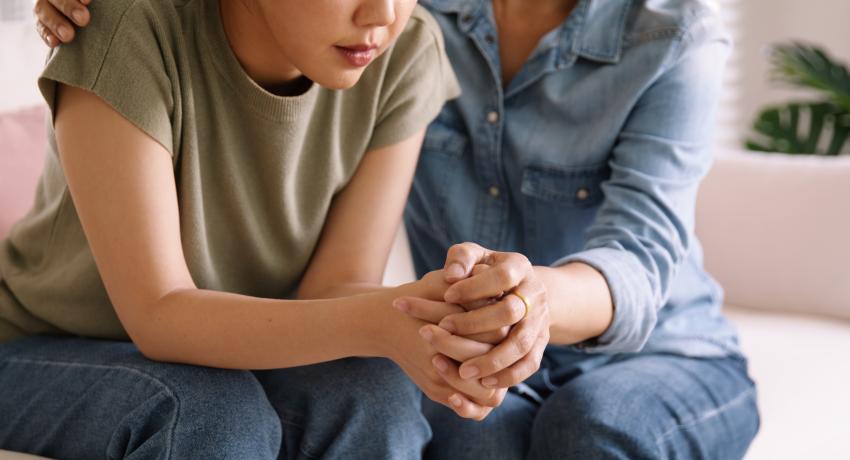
column 820, row 126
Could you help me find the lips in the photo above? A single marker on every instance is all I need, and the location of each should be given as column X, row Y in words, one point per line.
column 358, row 55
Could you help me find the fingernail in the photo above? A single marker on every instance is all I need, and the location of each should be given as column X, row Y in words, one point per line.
column 426, row 334
column 402, row 305
column 454, row 271
column 448, row 325
column 63, row 32
column 468, row 372
column 489, row 382
column 79, row 16
column 455, row 400
column 440, row 363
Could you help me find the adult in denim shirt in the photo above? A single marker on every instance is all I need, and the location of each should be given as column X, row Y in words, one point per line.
column 585, row 156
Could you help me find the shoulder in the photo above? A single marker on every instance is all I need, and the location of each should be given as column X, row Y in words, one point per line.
column 121, row 57
column 674, row 20
column 120, row 30
column 109, row 16
column 422, row 32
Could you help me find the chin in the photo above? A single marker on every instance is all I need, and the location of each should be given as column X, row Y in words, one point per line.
column 339, row 80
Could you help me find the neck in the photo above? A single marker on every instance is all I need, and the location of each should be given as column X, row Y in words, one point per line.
column 256, row 49
column 535, row 6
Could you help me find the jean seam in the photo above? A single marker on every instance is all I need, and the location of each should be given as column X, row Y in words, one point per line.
column 304, row 449
column 163, row 385
column 708, row 415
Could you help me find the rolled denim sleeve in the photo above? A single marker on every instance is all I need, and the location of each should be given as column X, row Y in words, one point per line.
column 644, row 227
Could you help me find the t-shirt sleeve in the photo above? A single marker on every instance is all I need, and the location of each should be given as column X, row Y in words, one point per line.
column 120, row 57
column 418, row 82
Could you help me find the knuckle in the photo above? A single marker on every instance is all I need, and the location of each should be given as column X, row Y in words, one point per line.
column 461, row 250
column 494, row 363
column 514, row 309
column 535, row 366
column 472, row 246
column 516, row 375
column 518, row 258
column 63, row 6
column 521, row 265
column 523, row 343
column 504, row 276
column 493, row 400
column 503, row 332
column 542, row 298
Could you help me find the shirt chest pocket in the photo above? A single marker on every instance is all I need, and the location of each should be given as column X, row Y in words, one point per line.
column 560, row 204
column 580, row 187
column 443, row 139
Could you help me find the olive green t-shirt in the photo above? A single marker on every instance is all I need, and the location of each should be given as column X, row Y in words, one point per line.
column 255, row 172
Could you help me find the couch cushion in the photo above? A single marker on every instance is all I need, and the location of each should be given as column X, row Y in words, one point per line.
column 776, row 231
column 803, row 377
column 24, row 140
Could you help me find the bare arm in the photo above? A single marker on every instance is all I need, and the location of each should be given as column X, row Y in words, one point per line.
column 122, row 185
column 356, row 240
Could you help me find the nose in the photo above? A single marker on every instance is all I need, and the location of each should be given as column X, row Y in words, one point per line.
column 375, row 13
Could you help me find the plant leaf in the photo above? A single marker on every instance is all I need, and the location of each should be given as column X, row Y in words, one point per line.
column 809, row 66
column 819, row 128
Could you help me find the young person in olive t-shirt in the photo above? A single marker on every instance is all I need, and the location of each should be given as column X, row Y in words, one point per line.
column 212, row 164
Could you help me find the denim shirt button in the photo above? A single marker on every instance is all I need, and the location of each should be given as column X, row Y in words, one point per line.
column 582, row 193
column 493, row 117
column 466, row 18
column 490, row 39
column 494, row 191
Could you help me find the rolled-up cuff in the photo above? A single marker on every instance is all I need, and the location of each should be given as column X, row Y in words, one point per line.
column 634, row 311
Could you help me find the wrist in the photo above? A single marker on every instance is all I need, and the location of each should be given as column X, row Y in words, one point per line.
column 580, row 303
column 379, row 321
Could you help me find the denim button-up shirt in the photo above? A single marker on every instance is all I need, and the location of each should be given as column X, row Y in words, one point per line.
column 592, row 153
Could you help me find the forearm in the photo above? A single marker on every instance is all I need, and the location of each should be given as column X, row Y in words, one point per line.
column 580, row 305
column 226, row 330
column 342, row 290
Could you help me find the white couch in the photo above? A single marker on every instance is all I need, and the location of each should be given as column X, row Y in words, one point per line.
column 776, row 231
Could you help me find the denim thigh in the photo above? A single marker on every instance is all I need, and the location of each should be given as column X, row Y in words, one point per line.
column 81, row 398
column 353, row 408
column 650, row 406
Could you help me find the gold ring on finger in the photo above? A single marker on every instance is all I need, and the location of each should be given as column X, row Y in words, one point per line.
column 525, row 302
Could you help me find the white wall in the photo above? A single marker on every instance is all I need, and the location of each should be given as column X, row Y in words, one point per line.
column 757, row 24
column 21, row 55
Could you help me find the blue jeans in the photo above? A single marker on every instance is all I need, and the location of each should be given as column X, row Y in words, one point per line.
column 80, row 398
column 593, row 406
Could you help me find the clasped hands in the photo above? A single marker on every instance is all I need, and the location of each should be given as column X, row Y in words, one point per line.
column 481, row 338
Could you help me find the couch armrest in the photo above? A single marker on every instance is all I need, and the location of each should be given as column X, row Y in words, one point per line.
column 776, row 231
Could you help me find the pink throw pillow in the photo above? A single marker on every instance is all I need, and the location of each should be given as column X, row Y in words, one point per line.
column 23, row 141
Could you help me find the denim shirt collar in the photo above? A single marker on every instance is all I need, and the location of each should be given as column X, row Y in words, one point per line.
column 598, row 35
